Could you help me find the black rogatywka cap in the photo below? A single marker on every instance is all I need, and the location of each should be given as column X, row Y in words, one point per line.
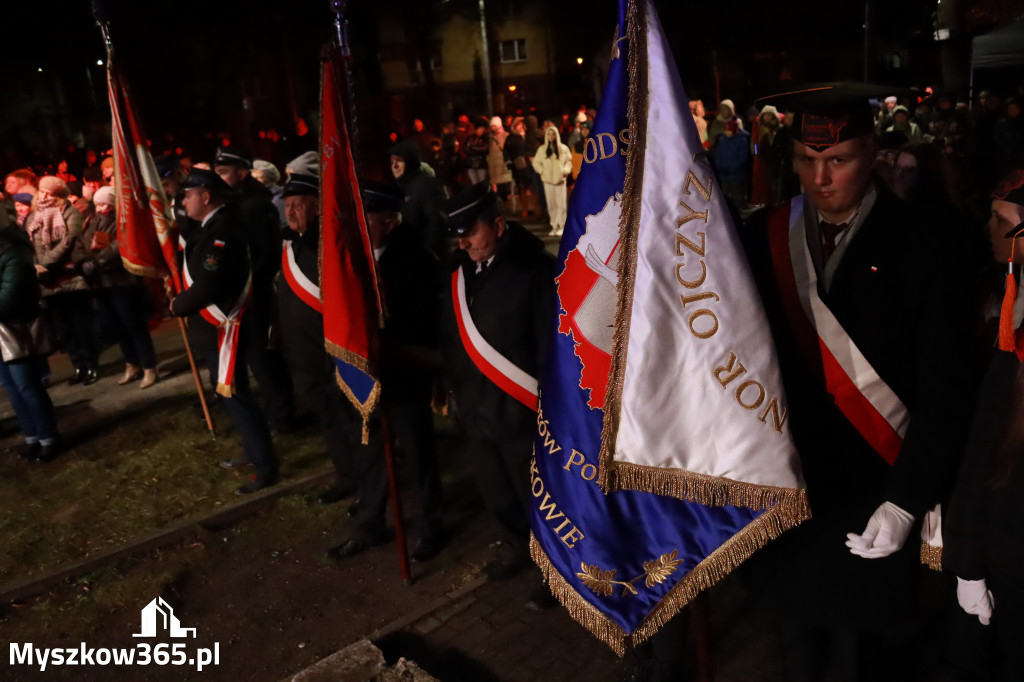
column 379, row 196
column 231, row 156
column 462, row 210
column 207, row 179
column 827, row 114
column 301, row 185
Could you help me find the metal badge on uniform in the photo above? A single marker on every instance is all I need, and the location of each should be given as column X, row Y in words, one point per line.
column 210, row 263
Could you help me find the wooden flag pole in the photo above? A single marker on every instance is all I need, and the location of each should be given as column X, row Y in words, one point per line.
column 199, row 382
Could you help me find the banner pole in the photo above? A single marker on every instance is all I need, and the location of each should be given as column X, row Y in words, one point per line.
column 396, row 502
column 199, row 382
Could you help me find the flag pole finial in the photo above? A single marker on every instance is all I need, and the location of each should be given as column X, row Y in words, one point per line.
column 340, row 25
column 99, row 13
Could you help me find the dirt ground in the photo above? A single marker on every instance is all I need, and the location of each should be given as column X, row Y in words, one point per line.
column 260, row 589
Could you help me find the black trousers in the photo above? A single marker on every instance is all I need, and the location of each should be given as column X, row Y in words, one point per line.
column 71, row 314
column 335, row 416
column 125, row 310
column 503, row 477
column 267, row 365
column 244, row 411
column 812, row 652
column 411, row 423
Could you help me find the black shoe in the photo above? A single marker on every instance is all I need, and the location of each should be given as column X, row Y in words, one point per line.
column 91, row 377
column 236, row 462
column 255, row 483
column 357, row 544
column 49, row 451
column 353, row 509
column 428, row 546
column 504, row 568
column 79, row 376
column 541, row 599
column 335, row 494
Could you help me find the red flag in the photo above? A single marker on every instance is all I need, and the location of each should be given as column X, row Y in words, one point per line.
column 348, row 278
column 145, row 226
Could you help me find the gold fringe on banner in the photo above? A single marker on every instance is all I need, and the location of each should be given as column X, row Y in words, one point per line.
column 706, row 574
column 629, row 223
column 709, row 490
column 931, row 556
column 366, row 409
column 142, row 271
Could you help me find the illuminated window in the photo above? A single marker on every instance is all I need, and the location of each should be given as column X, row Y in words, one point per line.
column 512, row 50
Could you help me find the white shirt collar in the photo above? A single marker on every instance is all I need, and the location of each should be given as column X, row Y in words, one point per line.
column 211, row 214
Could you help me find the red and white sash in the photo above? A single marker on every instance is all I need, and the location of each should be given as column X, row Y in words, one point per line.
column 301, row 286
column 494, row 365
column 863, row 397
column 227, row 334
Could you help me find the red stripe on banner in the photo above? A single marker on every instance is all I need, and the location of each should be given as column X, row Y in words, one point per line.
column 483, row 364
column 297, row 288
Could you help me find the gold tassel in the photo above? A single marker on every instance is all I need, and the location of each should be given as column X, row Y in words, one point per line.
column 931, row 556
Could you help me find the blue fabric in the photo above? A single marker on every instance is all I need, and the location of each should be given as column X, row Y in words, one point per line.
column 23, row 382
column 359, row 382
column 623, row 530
column 732, row 156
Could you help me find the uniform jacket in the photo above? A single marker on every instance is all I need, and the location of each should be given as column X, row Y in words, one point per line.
column 301, row 327
column 911, row 324
column 261, row 222
column 511, row 304
column 218, row 261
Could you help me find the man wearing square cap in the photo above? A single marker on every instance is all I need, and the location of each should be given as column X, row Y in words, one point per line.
column 260, row 219
column 215, row 300
column 872, row 340
column 300, row 314
column 496, row 328
column 408, row 360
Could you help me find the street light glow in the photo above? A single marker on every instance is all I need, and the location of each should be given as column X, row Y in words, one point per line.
column 40, row 69
column 511, row 88
column 99, row 62
column 579, row 60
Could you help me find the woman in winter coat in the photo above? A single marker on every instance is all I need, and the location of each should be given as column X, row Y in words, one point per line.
column 476, row 149
column 54, row 226
column 120, row 294
column 499, row 171
column 22, row 378
column 553, row 163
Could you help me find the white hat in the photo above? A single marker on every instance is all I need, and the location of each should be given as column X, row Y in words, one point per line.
column 304, row 164
column 269, row 170
column 105, row 195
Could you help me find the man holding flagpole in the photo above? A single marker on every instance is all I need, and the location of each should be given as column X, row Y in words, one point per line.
column 218, row 289
column 870, row 329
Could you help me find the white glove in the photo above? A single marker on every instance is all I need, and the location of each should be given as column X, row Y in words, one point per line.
column 975, row 598
column 886, row 532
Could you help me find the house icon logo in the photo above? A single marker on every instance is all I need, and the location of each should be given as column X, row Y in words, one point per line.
column 159, row 613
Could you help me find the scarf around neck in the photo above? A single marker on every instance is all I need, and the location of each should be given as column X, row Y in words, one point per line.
column 49, row 222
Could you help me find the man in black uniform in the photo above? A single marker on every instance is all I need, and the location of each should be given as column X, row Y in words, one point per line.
column 300, row 314
column 408, row 274
column 217, row 274
column 508, row 298
column 873, row 348
column 260, row 220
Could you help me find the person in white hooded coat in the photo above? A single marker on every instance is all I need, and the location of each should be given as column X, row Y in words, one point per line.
column 553, row 163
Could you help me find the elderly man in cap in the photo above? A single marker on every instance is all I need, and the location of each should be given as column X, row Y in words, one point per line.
column 877, row 366
column 267, row 174
column 261, row 223
column 300, row 314
column 409, row 339
column 500, row 308
column 219, row 281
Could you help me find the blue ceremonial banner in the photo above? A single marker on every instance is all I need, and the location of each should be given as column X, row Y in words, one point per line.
column 662, row 458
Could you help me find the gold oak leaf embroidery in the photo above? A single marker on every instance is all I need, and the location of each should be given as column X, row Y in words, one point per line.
column 600, row 582
column 659, row 569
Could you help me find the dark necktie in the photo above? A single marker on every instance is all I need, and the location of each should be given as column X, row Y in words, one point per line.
column 829, row 232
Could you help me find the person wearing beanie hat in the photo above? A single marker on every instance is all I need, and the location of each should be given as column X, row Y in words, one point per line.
column 423, row 195
column 409, row 341
column 22, row 206
column 267, row 174
column 120, row 295
column 982, row 543
column 726, row 113
column 55, row 226
column 497, row 169
column 850, row 286
column 901, row 122
column 307, row 163
column 261, row 221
